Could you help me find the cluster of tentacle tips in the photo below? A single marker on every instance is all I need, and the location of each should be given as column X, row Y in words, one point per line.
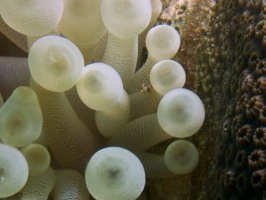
column 92, row 111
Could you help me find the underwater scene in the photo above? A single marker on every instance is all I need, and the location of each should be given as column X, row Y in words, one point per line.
column 133, row 99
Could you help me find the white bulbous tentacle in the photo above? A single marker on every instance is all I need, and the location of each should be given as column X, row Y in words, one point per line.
column 38, row 158
column 181, row 113
column 13, row 170
column 162, row 43
column 181, row 157
column 19, row 15
column 115, row 173
column 21, row 118
column 55, row 63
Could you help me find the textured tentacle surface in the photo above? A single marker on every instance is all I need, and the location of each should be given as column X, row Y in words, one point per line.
column 39, row 186
column 69, row 185
column 154, row 165
column 14, row 72
column 140, row 134
column 69, row 139
column 144, row 103
column 85, row 114
column 19, row 39
column 121, row 54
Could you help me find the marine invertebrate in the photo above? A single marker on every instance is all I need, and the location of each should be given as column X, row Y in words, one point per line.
column 244, row 135
column 40, row 186
column 38, row 158
column 257, row 159
column 242, row 75
column 167, row 75
column 243, row 184
column 185, row 102
column 228, row 178
column 69, row 184
column 181, row 157
column 115, row 173
column 21, row 118
column 96, row 90
column 82, row 23
column 56, row 65
column 241, row 160
column 211, row 71
column 258, row 179
column 13, row 178
column 19, row 16
column 259, row 137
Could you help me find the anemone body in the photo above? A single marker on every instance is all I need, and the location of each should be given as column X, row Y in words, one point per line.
column 130, row 121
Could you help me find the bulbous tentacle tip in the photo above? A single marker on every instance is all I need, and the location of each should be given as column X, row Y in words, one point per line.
column 13, row 171
column 55, row 63
column 38, row 158
column 21, row 118
column 181, row 113
column 181, row 157
column 115, row 173
column 126, row 19
column 167, row 75
column 163, row 42
column 100, row 87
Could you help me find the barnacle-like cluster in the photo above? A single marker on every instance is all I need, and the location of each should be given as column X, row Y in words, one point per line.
column 84, row 97
column 235, row 102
